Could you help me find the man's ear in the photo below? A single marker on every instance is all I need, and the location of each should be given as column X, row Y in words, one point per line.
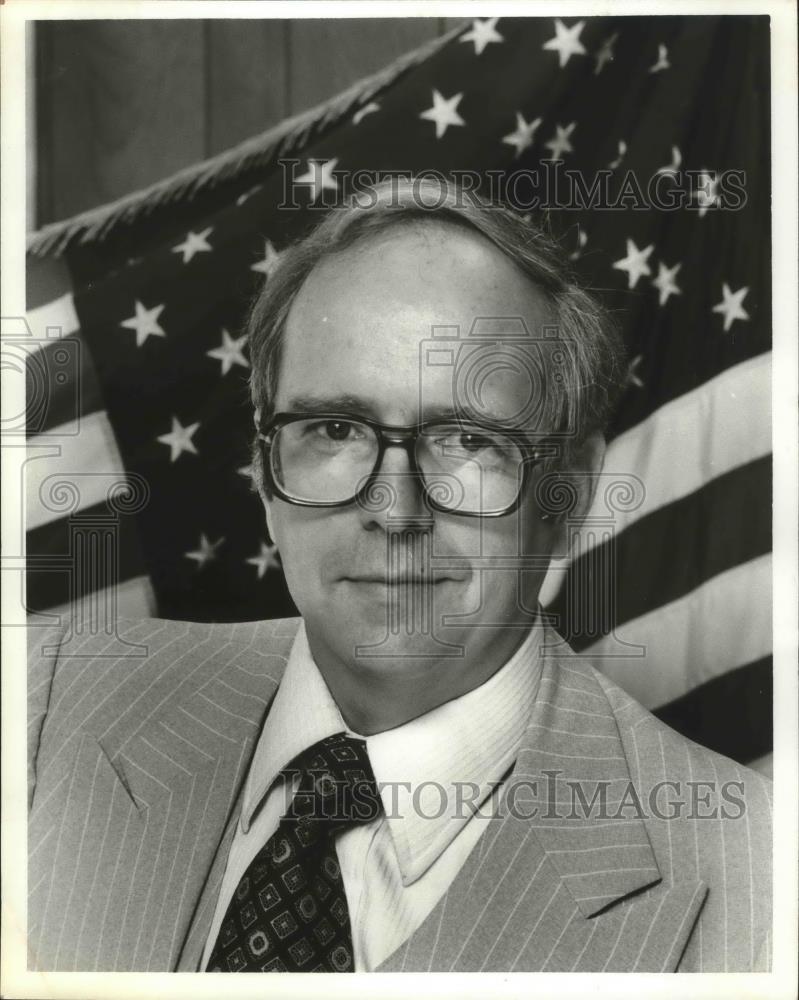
column 583, row 471
column 588, row 464
column 259, row 481
column 267, row 502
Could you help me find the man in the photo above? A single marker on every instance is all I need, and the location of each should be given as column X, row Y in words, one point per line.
column 429, row 385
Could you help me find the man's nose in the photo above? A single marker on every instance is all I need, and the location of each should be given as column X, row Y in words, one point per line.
column 395, row 495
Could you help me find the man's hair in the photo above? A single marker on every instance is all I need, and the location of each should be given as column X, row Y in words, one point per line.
column 579, row 400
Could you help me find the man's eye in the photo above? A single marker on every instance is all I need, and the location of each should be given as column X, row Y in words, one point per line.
column 474, row 442
column 333, row 430
column 338, row 430
column 465, row 441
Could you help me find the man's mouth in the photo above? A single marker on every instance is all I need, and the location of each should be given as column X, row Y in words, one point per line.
column 401, row 581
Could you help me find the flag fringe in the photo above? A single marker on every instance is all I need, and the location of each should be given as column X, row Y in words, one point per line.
column 259, row 151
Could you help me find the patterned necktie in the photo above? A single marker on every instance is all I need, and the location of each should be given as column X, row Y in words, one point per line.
column 289, row 911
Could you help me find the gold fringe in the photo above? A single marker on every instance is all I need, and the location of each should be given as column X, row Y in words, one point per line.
column 259, row 151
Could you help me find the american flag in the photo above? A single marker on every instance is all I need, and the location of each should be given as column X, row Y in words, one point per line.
column 138, row 367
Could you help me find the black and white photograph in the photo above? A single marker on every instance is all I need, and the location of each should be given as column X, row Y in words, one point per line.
column 400, row 518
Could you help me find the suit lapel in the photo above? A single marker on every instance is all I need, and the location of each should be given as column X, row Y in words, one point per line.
column 200, row 924
column 564, row 877
column 143, row 816
column 561, row 879
column 179, row 811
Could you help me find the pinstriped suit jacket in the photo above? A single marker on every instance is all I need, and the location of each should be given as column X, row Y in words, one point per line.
column 138, row 751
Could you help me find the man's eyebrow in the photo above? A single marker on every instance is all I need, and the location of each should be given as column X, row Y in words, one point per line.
column 348, row 403
column 463, row 414
column 343, row 402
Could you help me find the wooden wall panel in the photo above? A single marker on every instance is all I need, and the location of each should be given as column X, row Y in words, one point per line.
column 122, row 104
column 122, row 98
column 247, row 79
column 328, row 55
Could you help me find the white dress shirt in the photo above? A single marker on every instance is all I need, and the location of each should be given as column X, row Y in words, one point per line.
column 438, row 775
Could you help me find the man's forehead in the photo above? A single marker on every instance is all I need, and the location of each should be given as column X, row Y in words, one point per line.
column 489, row 385
column 413, row 329
column 457, row 274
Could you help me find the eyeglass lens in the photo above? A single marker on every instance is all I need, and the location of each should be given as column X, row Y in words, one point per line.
column 465, row 468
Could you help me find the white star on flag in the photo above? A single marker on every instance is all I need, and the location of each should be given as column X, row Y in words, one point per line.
column 665, row 282
column 193, row 244
column 145, row 323
column 205, row 553
column 605, row 54
column 560, row 144
column 319, row 177
column 566, row 41
column 230, row 352
column 268, row 558
column 707, row 194
column 622, row 152
column 270, row 261
column 179, row 439
column 444, row 112
column 731, row 307
column 523, row 136
column 663, row 60
column 635, row 262
column 482, row 33
column 676, row 160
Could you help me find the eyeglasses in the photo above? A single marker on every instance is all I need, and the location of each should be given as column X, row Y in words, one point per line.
column 331, row 460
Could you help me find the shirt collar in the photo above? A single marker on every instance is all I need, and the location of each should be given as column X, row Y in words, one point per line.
column 432, row 771
column 452, row 758
column 302, row 713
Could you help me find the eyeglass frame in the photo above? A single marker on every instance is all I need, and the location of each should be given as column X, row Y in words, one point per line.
column 393, row 435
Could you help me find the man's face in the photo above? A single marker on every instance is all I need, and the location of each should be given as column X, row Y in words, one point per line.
column 353, row 341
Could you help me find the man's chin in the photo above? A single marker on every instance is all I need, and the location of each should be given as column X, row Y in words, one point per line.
column 375, row 626
column 381, row 649
column 409, row 607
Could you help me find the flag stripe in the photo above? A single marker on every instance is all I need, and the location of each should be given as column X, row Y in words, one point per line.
column 89, row 461
column 673, row 453
column 694, row 439
column 669, row 554
column 692, row 640
column 62, row 386
column 161, row 301
column 743, row 729
column 59, row 572
column 134, row 599
column 55, row 319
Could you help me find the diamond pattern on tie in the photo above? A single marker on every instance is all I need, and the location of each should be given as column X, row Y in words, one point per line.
column 289, row 911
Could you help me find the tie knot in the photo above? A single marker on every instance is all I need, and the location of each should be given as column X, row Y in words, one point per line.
column 337, row 785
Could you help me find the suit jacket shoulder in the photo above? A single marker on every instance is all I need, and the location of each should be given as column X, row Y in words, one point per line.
column 82, row 684
column 594, row 863
column 139, row 743
column 707, row 817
